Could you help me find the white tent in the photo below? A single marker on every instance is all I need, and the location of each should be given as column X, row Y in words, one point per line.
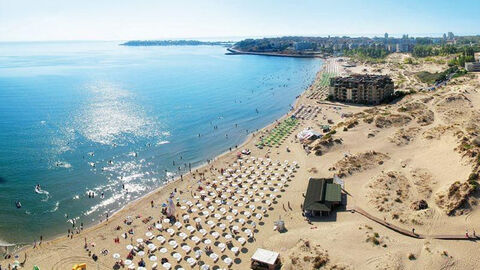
column 265, row 256
column 307, row 134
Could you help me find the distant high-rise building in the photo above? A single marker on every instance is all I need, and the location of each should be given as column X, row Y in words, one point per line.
column 386, row 35
column 451, row 35
column 444, row 36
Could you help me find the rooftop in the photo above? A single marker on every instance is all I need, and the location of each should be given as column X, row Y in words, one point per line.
column 321, row 194
column 362, row 78
column 265, row 256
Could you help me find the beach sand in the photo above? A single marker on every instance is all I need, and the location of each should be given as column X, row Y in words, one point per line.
column 418, row 156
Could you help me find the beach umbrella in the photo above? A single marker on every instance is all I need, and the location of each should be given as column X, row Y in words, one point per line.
column 141, row 268
column 163, row 250
column 158, row 226
column 167, row 265
column 205, row 267
column 141, row 253
column 177, row 256
column 241, row 240
column 148, row 234
column 129, row 247
column 191, row 261
column 228, row 261
column 153, row 258
column 207, row 241
column 186, row 248
column 152, row 246
column 128, row 262
column 131, row 266
column 116, row 256
column 173, row 243
column 139, row 240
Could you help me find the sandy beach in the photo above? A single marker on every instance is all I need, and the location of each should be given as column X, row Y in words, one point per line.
column 393, row 158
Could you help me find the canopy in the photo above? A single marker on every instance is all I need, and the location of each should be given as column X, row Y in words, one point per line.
column 308, row 134
column 171, row 208
column 265, row 256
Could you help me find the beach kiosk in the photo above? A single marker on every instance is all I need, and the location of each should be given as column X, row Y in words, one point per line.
column 322, row 195
column 264, row 259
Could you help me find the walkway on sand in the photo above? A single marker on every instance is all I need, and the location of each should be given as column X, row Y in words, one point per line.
column 410, row 233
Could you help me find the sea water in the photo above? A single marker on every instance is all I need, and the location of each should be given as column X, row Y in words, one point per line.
column 80, row 117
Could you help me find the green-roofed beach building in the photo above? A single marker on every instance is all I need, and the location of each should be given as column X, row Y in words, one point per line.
column 322, row 195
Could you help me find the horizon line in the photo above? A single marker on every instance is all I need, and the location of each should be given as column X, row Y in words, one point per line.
column 367, row 35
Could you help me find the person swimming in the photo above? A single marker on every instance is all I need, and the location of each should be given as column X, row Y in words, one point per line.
column 18, row 204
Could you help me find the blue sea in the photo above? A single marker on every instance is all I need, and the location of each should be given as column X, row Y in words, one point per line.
column 79, row 117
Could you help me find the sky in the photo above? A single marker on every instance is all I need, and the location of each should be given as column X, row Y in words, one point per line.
column 44, row 20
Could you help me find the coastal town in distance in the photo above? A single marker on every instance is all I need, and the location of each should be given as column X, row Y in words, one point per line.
column 275, row 151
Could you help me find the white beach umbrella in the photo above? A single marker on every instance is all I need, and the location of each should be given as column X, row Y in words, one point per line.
column 186, row 248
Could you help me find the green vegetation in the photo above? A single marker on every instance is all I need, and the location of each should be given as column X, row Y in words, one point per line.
column 430, row 59
column 370, row 54
column 277, row 135
column 409, row 61
column 460, row 60
column 374, row 240
column 431, row 78
column 433, row 50
column 463, row 53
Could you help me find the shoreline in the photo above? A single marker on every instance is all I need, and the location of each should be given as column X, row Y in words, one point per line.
column 238, row 52
column 19, row 247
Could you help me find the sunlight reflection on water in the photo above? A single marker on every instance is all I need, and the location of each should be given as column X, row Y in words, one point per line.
column 112, row 116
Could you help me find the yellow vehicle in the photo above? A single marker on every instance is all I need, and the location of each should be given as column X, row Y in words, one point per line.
column 82, row 266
